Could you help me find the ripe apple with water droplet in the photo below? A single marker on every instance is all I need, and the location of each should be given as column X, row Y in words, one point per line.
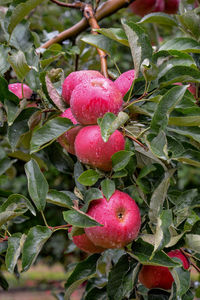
column 171, row 6
column 67, row 139
column 93, row 98
column 144, row 7
column 92, row 150
column 158, row 276
column 124, row 81
column 120, row 217
column 75, row 78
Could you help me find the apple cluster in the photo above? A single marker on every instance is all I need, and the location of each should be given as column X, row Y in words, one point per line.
column 144, row 7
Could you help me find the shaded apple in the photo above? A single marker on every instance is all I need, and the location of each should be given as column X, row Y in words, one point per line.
column 171, row 6
column 92, row 150
column 120, row 217
column 160, row 277
column 85, row 244
column 144, row 7
column 67, row 139
column 124, row 81
column 75, row 78
column 93, row 98
column 16, row 88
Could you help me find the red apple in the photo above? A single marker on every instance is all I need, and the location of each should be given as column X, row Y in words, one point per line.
column 92, row 150
column 120, row 217
column 160, row 277
column 144, row 7
column 93, row 98
column 75, row 78
column 16, row 88
column 171, row 6
column 124, row 81
column 67, row 139
column 83, row 243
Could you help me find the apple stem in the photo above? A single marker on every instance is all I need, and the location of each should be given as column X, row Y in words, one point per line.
column 90, row 16
column 135, row 140
column 77, row 5
column 106, row 9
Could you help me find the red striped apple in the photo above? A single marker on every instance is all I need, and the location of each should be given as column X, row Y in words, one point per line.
column 124, row 81
column 16, row 88
column 120, row 217
column 93, row 98
column 92, row 150
column 144, row 7
column 75, row 78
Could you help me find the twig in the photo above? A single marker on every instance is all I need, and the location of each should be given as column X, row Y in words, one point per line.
column 135, row 140
column 66, row 226
column 106, row 9
column 77, row 5
column 90, row 16
column 188, row 255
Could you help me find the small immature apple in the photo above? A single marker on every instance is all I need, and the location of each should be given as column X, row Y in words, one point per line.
column 67, row 139
column 160, row 277
column 144, row 7
column 83, row 243
column 75, row 78
column 124, row 81
column 171, row 6
column 93, row 98
column 120, row 217
column 16, row 88
column 92, row 150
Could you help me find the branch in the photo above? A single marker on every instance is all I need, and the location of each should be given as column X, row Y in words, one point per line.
column 136, row 141
column 106, row 9
column 77, row 5
column 90, row 16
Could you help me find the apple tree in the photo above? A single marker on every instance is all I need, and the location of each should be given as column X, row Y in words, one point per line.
column 100, row 141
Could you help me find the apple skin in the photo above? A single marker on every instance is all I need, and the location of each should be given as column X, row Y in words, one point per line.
column 83, row 243
column 160, row 277
column 92, row 150
column 120, row 217
column 75, row 78
column 144, row 7
column 124, row 81
column 16, row 88
column 67, row 139
column 171, row 6
column 93, row 98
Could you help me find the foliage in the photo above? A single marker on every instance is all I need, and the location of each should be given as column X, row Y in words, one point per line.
column 161, row 172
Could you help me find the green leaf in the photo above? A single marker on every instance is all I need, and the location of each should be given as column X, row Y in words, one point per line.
column 5, row 164
column 158, row 197
column 4, row 66
column 36, row 238
column 89, row 177
column 182, row 44
column 158, row 144
column 78, row 170
column 15, row 243
column 59, row 198
column 3, row 282
column 190, row 132
column 108, row 188
column 49, row 132
column 20, row 11
column 120, row 159
column 167, row 103
column 5, row 93
column 146, row 171
column 185, row 121
column 19, row 64
column 82, row 272
column 110, row 123
column 159, row 18
column 116, row 34
column 142, row 251
column 19, row 126
column 55, row 97
column 190, row 157
column 182, row 280
column 139, row 43
column 180, row 74
column 190, row 21
column 18, row 199
column 193, row 242
column 96, row 293
column 162, row 236
column 9, row 212
column 91, row 194
column 117, row 279
column 98, row 41
column 78, row 218
column 37, row 184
